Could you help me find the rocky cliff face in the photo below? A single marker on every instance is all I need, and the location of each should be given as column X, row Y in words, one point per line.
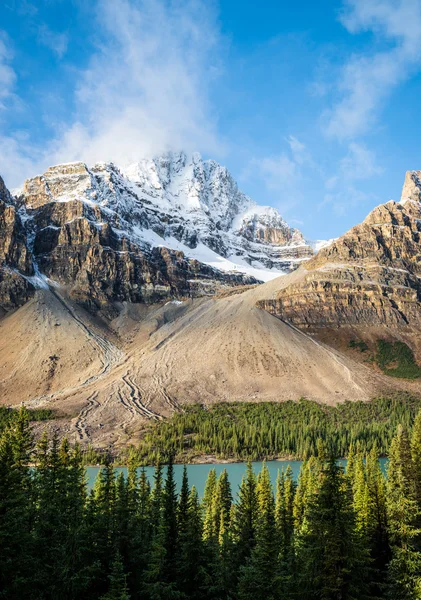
column 15, row 259
column 165, row 228
column 369, row 276
column 182, row 203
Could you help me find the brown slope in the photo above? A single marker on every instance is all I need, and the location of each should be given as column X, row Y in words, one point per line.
column 46, row 351
column 230, row 348
column 202, row 350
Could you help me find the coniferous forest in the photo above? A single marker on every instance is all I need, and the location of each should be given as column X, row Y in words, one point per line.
column 330, row 536
column 243, row 431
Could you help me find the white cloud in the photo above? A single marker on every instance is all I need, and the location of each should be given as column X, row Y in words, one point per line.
column 341, row 188
column 7, row 74
column 360, row 163
column 346, row 198
column 368, row 78
column 57, row 42
column 146, row 88
column 277, row 172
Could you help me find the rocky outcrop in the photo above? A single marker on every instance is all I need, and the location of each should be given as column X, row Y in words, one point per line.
column 182, row 203
column 56, row 233
column 412, row 187
column 369, row 276
column 155, row 230
column 15, row 258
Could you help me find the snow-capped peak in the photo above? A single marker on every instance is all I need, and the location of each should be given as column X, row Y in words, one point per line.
column 184, row 202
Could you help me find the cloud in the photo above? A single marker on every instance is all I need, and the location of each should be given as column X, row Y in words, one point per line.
column 57, row 42
column 7, row 74
column 368, row 78
column 146, row 88
column 360, row 163
column 277, row 172
column 283, row 175
column 342, row 193
column 280, row 172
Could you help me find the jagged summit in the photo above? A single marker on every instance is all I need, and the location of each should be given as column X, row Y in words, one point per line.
column 412, row 187
column 370, row 276
column 187, row 204
column 167, row 227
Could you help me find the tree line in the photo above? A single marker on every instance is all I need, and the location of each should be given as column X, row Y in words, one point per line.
column 242, row 431
column 329, row 536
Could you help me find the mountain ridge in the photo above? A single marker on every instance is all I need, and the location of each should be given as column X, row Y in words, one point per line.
column 141, row 353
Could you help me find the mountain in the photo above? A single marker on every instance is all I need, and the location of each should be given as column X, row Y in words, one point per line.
column 371, row 276
column 117, row 328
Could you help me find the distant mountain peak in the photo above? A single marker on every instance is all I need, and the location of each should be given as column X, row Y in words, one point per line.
column 184, row 203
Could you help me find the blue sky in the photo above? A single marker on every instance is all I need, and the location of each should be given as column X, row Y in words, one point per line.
column 313, row 106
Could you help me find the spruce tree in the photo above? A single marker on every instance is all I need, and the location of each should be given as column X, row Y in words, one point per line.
column 118, row 589
column 245, row 517
column 332, row 561
column 17, row 559
column 403, row 521
column 416, row 454
column 284, row 518
column 259, row 576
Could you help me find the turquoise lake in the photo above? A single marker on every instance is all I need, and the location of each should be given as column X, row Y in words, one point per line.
column 198, row 473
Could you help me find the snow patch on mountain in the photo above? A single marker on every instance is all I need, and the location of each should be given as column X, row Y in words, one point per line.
column 183, row 203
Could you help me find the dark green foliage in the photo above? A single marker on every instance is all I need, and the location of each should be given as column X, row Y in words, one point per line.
column 330, row 537
column 359, row 345
column 267, row 430
column 34, row 414
column 397, row 360
column 335, row 562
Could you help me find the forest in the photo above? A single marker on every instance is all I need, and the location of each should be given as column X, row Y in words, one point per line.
column 264, row 430
column 332, row 535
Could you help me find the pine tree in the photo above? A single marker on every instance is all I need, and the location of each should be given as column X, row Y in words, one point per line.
column 169, row 516
column 16, row 509
column 161, row 572
column 118, row 589
column 284, row 518
column 102, row 530
column 190, row 560
column 258, row 578
column 208, row 505
column 376, row 525
column 245, row 518
column 403, row 520
column 332, row 561
column 416, row 454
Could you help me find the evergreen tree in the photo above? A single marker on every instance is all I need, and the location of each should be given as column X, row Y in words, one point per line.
column 208, row 505
column 103, row 520
column 118, row 589
column 258, row 578
column 284, row 518
column 245, row 518
column 16, row 509
column 376, row 522
column 332, row 561
column 416, row 454
column 403, row 520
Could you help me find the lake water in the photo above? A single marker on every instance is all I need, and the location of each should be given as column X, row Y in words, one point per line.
column 198, row 473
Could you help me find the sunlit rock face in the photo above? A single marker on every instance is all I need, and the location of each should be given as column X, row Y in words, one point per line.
column 15, row 258
column 371, row 275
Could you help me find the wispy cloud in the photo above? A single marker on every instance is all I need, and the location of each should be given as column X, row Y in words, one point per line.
column 7, row 74
column 57, row 42
column 342, row 192
column 146, row 88
column 277, row 172
column 368, row 78
column 284, row 176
